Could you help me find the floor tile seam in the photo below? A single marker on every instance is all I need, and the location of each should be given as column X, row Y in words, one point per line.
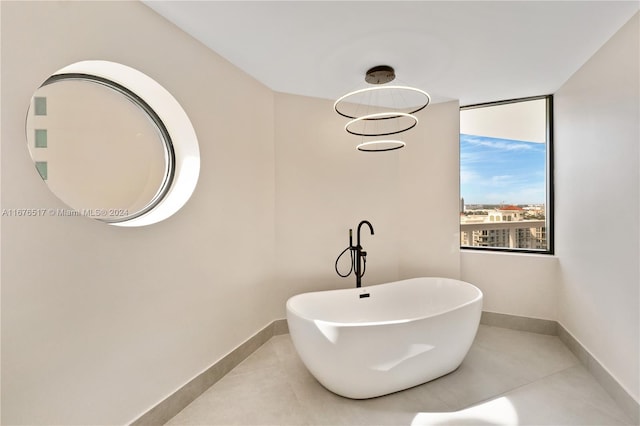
column 301, row 404
column 289, row 381
column 503, row 393
column 301, row 408
column 449, row 407
column 555, row 370
column 623, row 419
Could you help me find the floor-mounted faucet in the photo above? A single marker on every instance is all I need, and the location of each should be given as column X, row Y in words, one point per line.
column 358, row 256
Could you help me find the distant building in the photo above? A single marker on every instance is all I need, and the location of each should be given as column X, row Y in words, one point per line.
column 507, row 214
column 497, row 229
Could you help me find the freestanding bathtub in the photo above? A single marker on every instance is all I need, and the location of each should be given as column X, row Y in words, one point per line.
column 371, row 341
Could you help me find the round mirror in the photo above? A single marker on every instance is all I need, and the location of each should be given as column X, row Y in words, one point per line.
column 111, row 145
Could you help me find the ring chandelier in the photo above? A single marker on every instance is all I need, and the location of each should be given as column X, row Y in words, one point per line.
column 380, row 145
column 381, row 110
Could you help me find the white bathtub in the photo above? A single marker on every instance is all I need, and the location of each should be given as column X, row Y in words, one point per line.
column 403, row 334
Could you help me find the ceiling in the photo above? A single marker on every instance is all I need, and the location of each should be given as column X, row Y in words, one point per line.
column 473, row 51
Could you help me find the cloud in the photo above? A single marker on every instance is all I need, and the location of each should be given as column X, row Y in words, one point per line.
column 497, row 144
column 467, row 157
column 468, row 176
column 500, row 170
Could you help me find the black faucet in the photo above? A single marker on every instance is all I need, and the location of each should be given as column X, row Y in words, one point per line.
column 360, row 254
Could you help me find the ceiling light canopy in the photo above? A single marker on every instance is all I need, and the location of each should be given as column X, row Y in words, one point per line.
column 381, row 109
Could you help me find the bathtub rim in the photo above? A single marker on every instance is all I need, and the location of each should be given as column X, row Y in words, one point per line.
column 478, row 297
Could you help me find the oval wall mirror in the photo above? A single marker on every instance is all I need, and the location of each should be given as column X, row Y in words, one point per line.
column 112, row 144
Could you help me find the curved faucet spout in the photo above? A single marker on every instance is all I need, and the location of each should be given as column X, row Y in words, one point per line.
column 360, row 226
column 360, row 254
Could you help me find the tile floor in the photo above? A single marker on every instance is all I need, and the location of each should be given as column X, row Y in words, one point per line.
column 508, row 378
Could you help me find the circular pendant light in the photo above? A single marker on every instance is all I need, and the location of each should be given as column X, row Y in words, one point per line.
column 395, row 98
column 381, row 109
column 380, row 146
column 360, row 126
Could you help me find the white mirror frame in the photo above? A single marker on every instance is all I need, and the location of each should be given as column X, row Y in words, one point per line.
column 176, row 122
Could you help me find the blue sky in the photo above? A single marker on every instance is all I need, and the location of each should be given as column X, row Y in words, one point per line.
column 494, row 170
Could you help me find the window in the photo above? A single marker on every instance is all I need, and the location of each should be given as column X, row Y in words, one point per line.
column 506, row 175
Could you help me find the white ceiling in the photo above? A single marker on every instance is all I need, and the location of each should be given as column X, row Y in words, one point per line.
column 474, row 51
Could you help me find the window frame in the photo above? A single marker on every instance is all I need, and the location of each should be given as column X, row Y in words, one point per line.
column 549, row 181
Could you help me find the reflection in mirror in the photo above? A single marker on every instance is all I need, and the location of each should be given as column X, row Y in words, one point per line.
column 100, row 148
column 113, row 144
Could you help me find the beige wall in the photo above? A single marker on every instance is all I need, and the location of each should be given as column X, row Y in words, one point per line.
column 591, row 286
column 324, row 186
column 514, row 283
column 429, row 197
column 99, row 323
column 112, row 320
column 597, row 225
